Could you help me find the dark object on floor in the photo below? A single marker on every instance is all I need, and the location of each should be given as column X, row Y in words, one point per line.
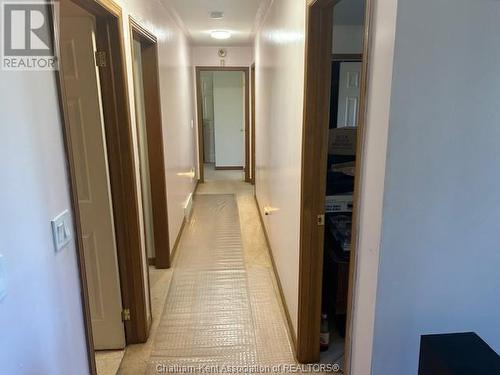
column 335, row 281
column 341, row 322
column 457, row 354
column 324, row 335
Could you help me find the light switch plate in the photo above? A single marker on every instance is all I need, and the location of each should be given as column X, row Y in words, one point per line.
column 61, row 230
column 3, row 279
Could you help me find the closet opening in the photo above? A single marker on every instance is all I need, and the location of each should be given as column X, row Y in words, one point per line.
column 150, row 139
column 335, row 99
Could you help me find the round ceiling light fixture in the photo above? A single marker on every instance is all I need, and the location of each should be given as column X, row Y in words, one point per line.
column 220, row 34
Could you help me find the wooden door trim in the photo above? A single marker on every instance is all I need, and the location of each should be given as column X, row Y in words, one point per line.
column 122, row 171
column 199, row 107
column 141, row 32
column 347, row 57
column 313, row 181
column 116, row 110
column 154, row 130
column 252, row 130
column 230, row 168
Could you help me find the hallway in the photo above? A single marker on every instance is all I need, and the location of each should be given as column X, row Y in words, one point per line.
column 219, row 304
column 237, row 186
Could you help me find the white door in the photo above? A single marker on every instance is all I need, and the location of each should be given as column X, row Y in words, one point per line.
column 93, row 187
column 349, row 85
column 229, row 117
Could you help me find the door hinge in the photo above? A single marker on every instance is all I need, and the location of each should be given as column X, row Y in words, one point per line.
column 126, row 315
column 100, row 59
column 321, row 220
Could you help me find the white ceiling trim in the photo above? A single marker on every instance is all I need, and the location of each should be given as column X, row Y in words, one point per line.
column 178, row 20
column 261, row 16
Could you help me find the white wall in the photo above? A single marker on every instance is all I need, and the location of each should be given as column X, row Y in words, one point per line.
column 236, row 56
column 41, row 318
column 439, row 257
column 41, row 321
column 279, row 54
column 347, row 39
column 372, row 183
column 229, row 105
column 348, row 29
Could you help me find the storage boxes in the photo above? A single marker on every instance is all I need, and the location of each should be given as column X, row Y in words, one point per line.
column 338, row 203
column 342, row 141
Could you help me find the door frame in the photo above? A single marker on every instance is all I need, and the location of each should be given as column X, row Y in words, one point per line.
column 118, row 131
column 199, row 107
column 154, row 130
column 313, row 181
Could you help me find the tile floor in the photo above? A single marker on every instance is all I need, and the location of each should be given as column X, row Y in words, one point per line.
column 108, row 362
column 136, row 358
column 133, row 360
column 335, row 352
column 230, row 176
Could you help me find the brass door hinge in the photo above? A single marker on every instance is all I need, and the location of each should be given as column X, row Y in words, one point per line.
column 321, row 220
column 100, row 58
column 126, row 315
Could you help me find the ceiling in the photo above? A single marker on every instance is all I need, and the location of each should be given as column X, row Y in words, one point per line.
column 239, row 18
column 349, row 12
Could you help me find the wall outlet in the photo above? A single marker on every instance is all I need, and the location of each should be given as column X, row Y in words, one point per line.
column 3, row 278
column 61, row 232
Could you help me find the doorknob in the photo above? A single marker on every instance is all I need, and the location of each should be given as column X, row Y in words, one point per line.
column 269, row 210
